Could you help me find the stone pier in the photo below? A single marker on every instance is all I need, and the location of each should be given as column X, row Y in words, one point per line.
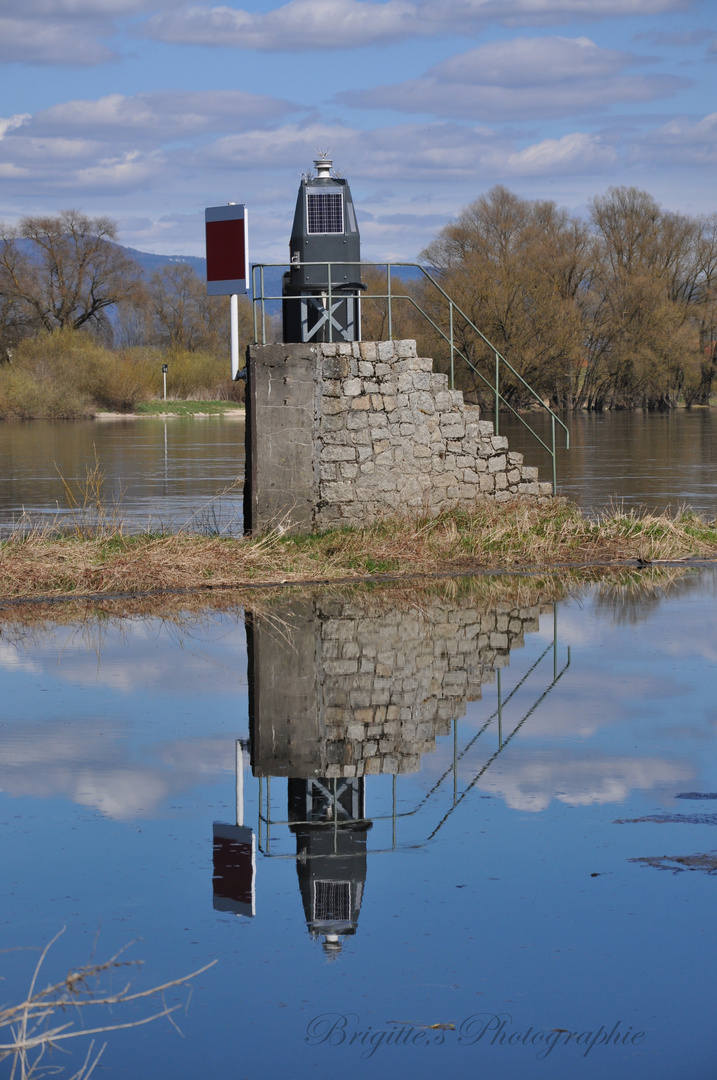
column 348, row 433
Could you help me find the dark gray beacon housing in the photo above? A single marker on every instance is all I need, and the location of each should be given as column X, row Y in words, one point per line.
column 321, row 291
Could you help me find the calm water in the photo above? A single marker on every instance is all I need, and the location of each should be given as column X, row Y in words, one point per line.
column 165, row 472
column 173, row 471
column 653, row 460
column 462, row 810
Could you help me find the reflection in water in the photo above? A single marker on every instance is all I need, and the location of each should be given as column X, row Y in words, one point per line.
column 118, row 746
column 341, row 689
column 328, row 820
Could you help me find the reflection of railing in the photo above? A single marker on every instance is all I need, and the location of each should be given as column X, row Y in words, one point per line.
column 266, row 822
column 336, row 293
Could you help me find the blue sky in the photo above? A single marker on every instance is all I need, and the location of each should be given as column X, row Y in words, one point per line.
column 149, row 110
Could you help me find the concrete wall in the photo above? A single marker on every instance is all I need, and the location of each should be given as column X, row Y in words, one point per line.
column 348, row 433
column 340, row 688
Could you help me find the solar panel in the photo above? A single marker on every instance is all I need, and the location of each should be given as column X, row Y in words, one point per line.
column 325, row 211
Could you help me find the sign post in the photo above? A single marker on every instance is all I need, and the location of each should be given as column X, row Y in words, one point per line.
column 228, row 262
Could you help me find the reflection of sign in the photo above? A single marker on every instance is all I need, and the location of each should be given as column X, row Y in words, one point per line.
column 227, row 249
column 234, row 867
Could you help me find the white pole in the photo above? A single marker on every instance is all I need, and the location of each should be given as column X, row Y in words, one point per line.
column 234, row 308
column 164, row 376
column 240, row 783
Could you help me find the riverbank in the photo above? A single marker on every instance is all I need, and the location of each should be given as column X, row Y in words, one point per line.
column 86, row 560
column 230, row 409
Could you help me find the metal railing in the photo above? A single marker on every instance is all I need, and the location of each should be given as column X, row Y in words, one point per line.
column 266, row 822
column 337, row 293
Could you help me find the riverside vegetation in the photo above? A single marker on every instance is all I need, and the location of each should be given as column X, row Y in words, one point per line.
column 615, row 311
column 94, row 555
column 70, row 375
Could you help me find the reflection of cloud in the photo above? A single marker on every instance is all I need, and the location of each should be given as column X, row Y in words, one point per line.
column 530, row 780
column 134, row 658
column 120, row 793
column 90, row 765
column 11, row 659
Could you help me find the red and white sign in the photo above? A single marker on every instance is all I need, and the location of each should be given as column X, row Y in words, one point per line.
column 227, row 249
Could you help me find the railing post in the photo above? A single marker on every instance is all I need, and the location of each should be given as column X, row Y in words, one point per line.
column 497, row 394
column 331, row 321
column 450, row 323
column 263, row 306
column 388, row 294
column 555, row 468
column 555, row 641
column 253, row 305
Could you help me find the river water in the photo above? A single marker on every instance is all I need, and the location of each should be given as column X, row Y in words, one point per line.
column 468, row 831
column 634, row 459
column 158, row 473
column 169, row 472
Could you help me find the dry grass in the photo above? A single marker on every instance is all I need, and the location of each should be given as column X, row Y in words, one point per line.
column 50, row 1015
column 496, row 536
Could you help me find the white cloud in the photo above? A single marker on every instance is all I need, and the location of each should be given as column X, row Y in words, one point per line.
column 520, row 79
column 334, row 24
column 165, row 114
column 298, row 25
column 679, row 142
column 574, row 153
column 40, row 41
column 533, row 62
column 75, row 32
column 12, row 123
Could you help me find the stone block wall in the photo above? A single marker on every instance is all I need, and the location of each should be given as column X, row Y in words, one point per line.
column 341, row 690
column 392, row 437
column 347, row 433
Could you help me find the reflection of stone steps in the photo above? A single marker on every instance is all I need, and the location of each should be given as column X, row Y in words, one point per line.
column 345, row 690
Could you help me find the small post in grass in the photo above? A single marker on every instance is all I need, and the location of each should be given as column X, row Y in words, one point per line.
column 164, row 378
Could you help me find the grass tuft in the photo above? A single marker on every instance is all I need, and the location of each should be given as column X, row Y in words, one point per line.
column 95, row 556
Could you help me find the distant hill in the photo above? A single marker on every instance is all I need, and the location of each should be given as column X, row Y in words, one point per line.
column 149, row 261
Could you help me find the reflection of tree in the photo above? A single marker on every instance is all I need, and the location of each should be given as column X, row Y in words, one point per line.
column 631, row 597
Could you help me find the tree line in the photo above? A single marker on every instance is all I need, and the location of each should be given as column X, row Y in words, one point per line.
column 67, row 272
column 616, row 311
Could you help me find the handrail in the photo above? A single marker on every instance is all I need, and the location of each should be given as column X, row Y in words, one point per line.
column 264, row 817
column 260, row 299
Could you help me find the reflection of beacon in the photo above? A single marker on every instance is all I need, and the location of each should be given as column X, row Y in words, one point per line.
column 321, row 291
column 330, row 829
column 234, row 859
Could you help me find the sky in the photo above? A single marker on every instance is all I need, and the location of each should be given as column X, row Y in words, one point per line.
column 147, row 111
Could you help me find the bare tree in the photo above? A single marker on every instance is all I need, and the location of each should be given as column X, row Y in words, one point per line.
column 516, row 268
column 64, row 271
column 184, row 317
